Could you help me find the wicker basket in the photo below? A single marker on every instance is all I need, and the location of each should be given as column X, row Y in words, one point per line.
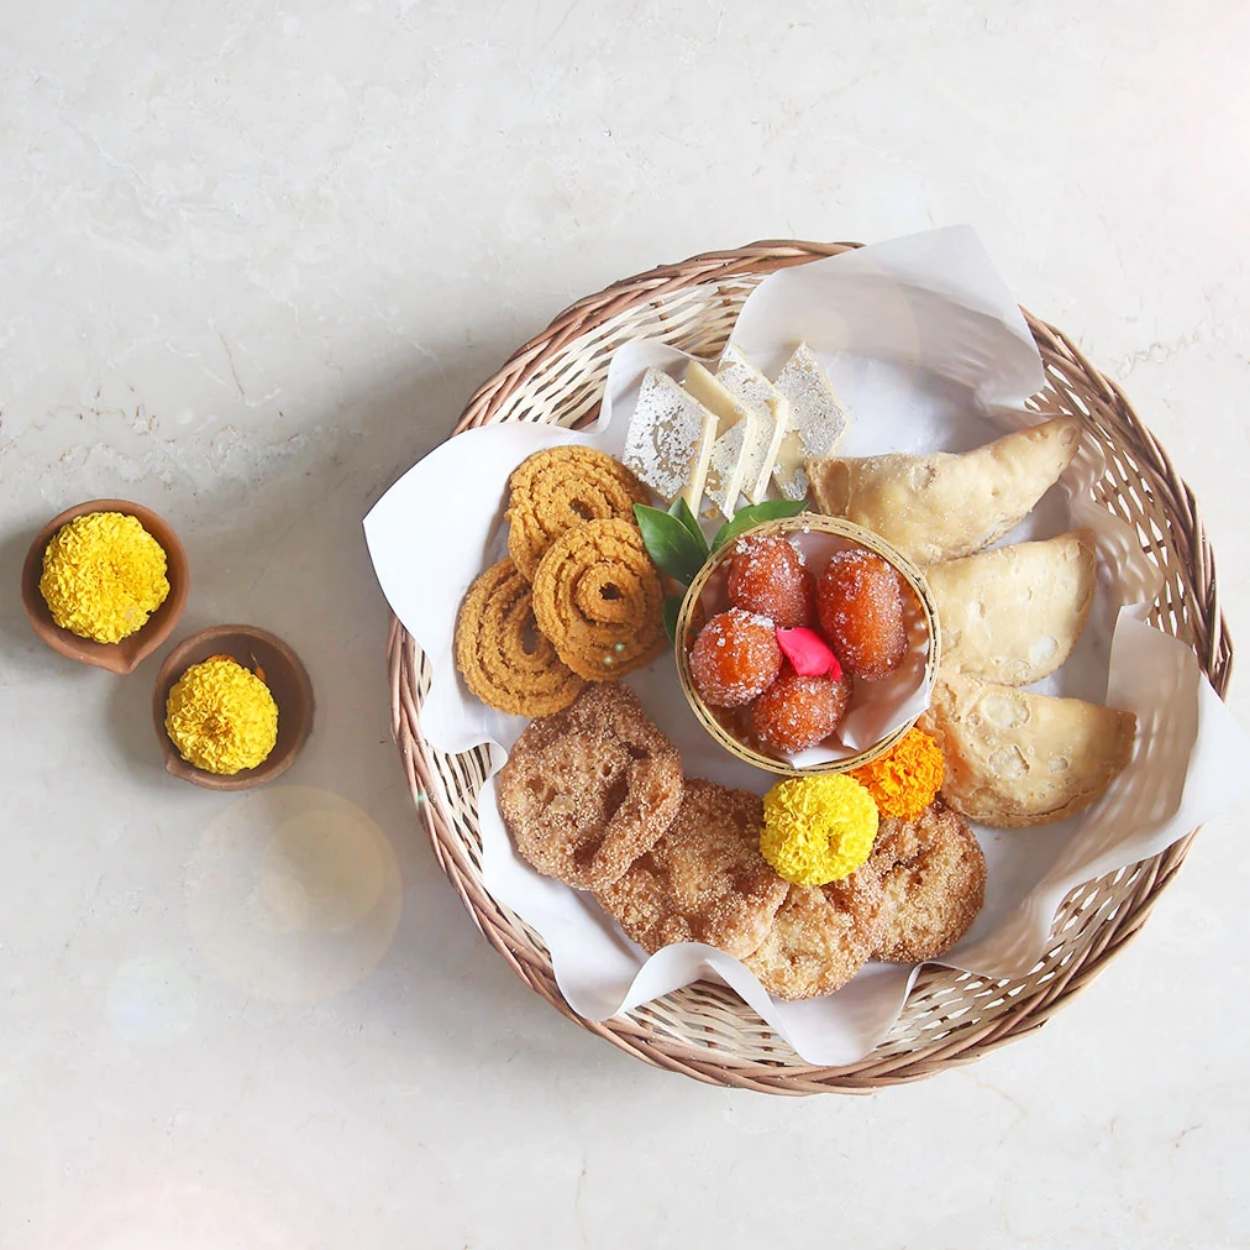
column 705, row 1030
column 692, row 611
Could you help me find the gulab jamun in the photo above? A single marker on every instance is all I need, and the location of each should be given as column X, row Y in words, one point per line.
column 859, row 602
column 734, row 657
column 766, row 575
column 797, row 712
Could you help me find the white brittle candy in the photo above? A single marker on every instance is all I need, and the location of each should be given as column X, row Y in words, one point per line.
column 817, row 420
column 755, row 392
column 669, row 443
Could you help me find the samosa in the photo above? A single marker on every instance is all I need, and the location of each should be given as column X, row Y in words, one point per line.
column 1014, row 614
column 947, row 505
column 1015, row 758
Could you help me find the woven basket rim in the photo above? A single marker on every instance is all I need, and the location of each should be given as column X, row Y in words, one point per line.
column 1212, row 644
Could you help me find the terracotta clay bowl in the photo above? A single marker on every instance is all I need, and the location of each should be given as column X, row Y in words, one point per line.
column 117, row 657
column 285, row 676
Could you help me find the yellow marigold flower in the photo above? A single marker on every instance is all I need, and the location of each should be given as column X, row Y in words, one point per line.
column 906, row 779
column 103, row 576
column 817, row 829
column 221, row 717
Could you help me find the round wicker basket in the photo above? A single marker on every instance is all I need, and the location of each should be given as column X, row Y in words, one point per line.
column 704, row 1030
column 692, row 611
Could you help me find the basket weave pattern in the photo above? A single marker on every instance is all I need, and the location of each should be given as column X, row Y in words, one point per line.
column 704, row 1030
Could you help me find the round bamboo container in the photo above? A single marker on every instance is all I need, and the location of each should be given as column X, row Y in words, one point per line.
column 704, row 1031
column 805, row 522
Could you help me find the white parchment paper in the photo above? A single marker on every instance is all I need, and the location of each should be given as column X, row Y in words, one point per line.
column 929, row 352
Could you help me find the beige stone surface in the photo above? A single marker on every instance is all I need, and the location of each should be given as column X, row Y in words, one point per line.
column 252, row 261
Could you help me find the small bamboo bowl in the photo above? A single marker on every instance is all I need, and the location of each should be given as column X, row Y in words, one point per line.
column 805, row 522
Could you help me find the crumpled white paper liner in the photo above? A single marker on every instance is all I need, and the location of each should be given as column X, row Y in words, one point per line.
column 929, row 351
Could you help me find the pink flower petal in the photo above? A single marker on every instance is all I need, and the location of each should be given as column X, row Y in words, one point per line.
column 809, row 654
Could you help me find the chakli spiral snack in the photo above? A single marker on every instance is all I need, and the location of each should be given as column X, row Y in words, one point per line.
column 503, row 658
column 554, row 490
column 599, row 599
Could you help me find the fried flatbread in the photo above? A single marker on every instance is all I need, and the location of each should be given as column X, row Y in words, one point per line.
column 588, row 790
column 704, row 880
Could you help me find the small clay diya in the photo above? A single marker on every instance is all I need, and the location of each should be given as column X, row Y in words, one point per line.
column 281, row 670
column 126, row 655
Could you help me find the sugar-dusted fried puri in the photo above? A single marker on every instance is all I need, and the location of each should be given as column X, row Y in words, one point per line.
column 588, row 790
column 503, row 658
column 599, row 599
column 821, row 936
column 704, row 880
column 552, row 491
column 933, row 874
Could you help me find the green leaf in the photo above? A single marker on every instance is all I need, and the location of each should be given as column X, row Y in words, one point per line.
column 680, row 509
column 672, row 610
column 669, row 543
column 756, row 514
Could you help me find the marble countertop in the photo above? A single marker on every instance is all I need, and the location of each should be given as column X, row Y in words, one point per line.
column 252, row 262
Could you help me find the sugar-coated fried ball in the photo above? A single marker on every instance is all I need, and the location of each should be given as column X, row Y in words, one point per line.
column 734, row 657
column 797, row 712
column 859, row 601
column 766, row 575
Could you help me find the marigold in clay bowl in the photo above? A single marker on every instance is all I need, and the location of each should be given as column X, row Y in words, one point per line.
column 232, row 707
column 105, row 582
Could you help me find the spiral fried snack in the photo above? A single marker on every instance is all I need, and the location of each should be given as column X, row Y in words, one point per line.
column 503, row 658
column 599, row 599
column 554, row 490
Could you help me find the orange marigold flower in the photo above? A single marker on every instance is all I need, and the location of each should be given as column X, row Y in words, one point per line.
column 906, row 779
